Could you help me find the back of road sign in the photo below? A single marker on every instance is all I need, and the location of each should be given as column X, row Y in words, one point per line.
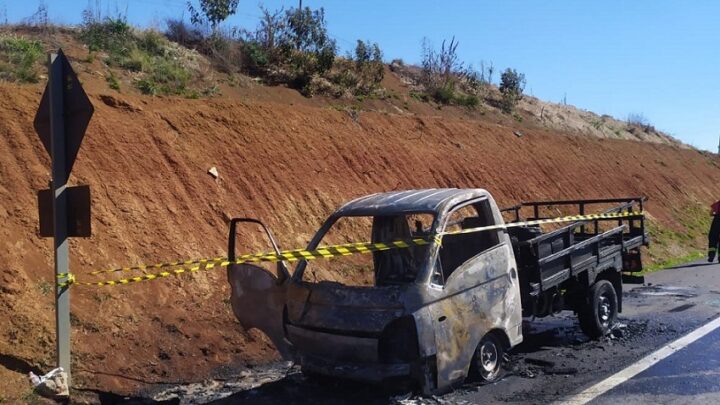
column 78, row 111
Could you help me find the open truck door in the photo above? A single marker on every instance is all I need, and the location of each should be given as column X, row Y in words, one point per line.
column 257, row 296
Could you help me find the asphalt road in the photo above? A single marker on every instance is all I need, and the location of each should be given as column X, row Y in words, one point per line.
column 692, row 375
column 555, row 362
column 671, row 304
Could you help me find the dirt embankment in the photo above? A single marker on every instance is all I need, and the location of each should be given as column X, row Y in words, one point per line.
column 147, row 159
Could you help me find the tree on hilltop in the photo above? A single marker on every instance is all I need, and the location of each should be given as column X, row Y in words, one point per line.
column 212, row 11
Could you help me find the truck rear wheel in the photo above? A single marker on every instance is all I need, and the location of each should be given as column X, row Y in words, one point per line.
column 600, row 312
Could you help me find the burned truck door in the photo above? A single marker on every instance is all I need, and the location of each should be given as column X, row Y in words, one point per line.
column 257, row 296
column 474, row 284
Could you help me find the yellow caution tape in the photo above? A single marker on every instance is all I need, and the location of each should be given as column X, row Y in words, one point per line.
column 159, row 265
column 291, row 256
column 321, row 252
column 572, row 218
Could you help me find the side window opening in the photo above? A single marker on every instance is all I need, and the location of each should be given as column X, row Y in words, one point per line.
column 458, row 249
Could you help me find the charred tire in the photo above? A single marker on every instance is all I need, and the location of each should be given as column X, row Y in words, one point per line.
column 487, row 362
column 600, row 312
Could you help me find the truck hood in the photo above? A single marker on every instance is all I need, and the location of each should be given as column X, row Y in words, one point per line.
column 335, row 308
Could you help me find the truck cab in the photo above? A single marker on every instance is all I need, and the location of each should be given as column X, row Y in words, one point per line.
column 434, row 312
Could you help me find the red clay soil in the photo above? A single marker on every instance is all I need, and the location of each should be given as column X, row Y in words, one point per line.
column 146, row 160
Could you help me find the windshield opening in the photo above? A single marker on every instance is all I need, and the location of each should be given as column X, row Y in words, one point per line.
column 394, row 266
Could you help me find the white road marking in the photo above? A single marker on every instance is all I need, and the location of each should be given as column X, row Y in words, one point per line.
column 640, row 366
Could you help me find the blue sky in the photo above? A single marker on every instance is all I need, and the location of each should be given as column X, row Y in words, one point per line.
column 659, row 58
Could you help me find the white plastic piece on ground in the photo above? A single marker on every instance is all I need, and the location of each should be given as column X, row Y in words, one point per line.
column 52, row 384
column 214, row 172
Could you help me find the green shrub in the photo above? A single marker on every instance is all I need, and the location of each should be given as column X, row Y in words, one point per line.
column 45, row 287
column 512, row 85
column 420, row 96
column 256, row 57
column 165, row 77
column 444, row 95
column 18, row 58
column 171, row 75
column 153, row 43
column 113, row 82
column 290, row 47
column 211, row 91
column 445, row 77
column 345, row 76
column 135, row 61
column 112, row 35
column 369, row 67
column 147, row 86
column 470, row 100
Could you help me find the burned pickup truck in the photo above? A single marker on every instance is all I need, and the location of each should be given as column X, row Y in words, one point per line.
column 450, row 302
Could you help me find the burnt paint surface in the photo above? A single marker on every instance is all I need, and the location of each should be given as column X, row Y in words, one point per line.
column 480, row 296
column 347, row 310
column 257, row 301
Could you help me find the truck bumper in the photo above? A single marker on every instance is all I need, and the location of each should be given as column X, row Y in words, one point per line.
column 354, row 371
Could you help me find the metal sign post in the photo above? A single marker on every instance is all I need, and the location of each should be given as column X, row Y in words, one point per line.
column 59, row 184
column 61, row 121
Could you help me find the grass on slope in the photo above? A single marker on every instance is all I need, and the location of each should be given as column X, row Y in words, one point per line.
column 19, row 58
column 673, row 262
column 161, row 67
column 670, row 248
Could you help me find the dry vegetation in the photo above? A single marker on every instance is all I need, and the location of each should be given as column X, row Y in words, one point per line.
column 291, row 48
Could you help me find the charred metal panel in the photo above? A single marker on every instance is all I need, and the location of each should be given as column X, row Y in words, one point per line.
column 337, row 347
column 480, row 296
column 347, row 310
column 430, row 200
column 425, row 331
column 257, row 301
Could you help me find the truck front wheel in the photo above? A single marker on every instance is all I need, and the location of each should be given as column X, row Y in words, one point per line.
column 488, row 359
column 598, row 315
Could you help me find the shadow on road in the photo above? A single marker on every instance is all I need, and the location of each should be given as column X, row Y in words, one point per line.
column 688, row 266
column 299, row 389
column 558, row 331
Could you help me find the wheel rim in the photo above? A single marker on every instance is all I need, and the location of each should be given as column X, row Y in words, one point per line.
column 604, row 310
column 488, row 358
